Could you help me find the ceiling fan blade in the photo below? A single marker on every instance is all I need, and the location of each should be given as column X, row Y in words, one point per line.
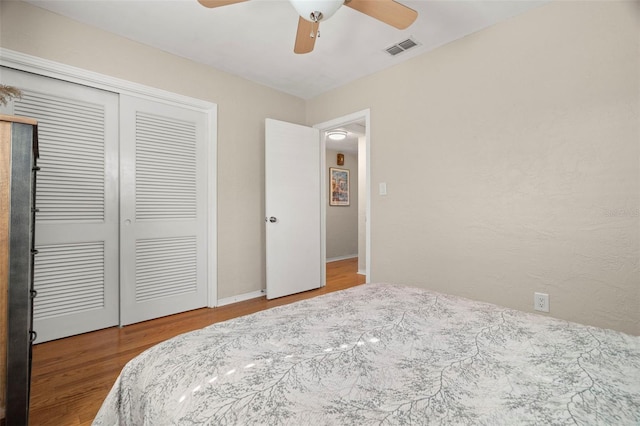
column 306, row 35
column 218, row 3
column 388, row 11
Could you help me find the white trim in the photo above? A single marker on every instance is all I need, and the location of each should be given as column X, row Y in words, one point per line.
column 240, row 298
column 33, row 64
column 323, row 208
column 327, row 125
column 339, row 258
column 361, row 272
column 212, row 211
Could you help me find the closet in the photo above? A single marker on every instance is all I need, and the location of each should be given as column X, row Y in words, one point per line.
column 122, row 228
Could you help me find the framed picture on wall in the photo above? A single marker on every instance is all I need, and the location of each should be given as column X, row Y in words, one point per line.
column 338, row 187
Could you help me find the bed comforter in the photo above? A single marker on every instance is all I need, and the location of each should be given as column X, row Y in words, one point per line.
column 383, row 354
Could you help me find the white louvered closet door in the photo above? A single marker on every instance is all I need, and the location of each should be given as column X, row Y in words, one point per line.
column 163, row 233
column 76, row 268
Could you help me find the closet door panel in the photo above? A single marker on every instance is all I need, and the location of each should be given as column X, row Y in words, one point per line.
column 76, row 270
column 163, row 209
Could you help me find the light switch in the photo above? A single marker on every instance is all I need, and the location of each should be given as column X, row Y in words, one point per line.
column 383, row 188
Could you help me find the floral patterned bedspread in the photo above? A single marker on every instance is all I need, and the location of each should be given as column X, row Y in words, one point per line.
column 383, row 354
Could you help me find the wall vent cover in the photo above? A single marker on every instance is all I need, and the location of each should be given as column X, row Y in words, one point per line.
column 401, row 47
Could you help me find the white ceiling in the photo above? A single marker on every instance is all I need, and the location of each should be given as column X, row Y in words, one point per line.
column 255, row 39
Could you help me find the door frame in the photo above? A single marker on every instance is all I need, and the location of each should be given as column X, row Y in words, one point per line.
column 323, row 127
column 47, row 68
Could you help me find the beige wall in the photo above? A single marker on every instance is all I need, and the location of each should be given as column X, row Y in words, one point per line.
column 342, row 221
column 511, row 156
column 242, row 108
column 512, row 163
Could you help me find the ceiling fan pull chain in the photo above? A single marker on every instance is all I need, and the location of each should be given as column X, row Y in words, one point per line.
column 314, row 31
column 315, row 22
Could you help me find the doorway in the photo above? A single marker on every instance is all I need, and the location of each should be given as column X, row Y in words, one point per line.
column 356, row 152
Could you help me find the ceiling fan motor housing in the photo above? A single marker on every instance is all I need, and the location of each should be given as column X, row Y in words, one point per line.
column 315, row 10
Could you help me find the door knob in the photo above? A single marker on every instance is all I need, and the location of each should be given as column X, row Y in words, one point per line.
column 272, row 219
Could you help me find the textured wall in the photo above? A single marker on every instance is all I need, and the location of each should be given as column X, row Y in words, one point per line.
column 512, row 163
column 511, row 156
column 242, row 109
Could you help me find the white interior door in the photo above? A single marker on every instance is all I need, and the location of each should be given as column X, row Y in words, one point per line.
column 292, row 201
column 76, row 268
column 163, row 209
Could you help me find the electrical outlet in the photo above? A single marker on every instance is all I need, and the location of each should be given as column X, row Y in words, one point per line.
column 541, row 302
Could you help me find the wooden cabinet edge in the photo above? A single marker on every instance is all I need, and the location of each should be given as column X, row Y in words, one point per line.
column 5, row 172
column 17, row 119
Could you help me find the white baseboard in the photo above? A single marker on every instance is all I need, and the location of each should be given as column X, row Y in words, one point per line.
column 240, row 298
column 335, row 259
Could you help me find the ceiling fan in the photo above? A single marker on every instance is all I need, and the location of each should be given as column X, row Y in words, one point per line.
column 313, row 11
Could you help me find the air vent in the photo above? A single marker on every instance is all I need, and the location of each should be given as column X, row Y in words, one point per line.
column 407, row 44
column 394, row 50
column 401, row 47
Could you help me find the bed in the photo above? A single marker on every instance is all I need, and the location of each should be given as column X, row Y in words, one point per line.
column 383, row 354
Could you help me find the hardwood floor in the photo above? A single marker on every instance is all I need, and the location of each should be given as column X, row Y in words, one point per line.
column 72, row 376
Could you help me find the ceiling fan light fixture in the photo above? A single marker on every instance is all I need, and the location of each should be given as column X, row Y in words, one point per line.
column 313, row 11
column 321, row 9
column 337, row 135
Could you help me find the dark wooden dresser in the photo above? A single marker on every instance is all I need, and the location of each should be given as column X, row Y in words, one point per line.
column 18, row 157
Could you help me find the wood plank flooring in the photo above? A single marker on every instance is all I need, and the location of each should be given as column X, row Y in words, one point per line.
column 72, row 376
